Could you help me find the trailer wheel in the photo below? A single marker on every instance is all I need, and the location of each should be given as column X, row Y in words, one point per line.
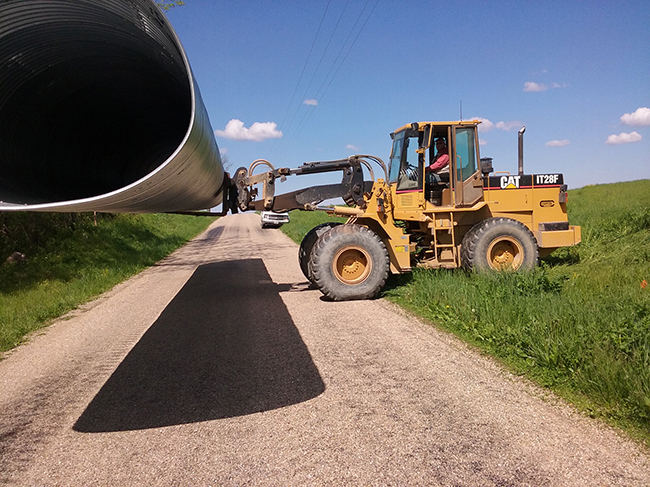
column 307, row 245
column 499, row 244
column 349, row 262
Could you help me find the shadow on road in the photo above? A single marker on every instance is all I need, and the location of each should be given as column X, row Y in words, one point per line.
column 225, row 346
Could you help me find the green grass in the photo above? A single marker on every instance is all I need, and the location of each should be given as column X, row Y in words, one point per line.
column 579, row 324
column 69, row 260
column 303, row 221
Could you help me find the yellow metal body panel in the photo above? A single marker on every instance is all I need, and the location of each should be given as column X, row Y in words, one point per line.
column 532, row 207
column 559, row 238
column 441, row 124
column 547, row 208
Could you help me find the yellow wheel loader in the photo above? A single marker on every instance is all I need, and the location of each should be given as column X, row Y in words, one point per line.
column 462, row 215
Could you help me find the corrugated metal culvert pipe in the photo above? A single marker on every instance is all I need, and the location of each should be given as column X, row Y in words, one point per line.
column 99, row 111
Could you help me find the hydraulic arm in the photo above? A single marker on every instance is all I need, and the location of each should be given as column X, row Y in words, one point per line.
column 351, row 188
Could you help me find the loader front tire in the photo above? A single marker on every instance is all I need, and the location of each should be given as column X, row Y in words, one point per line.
column 349, row 262
column 499, row 244
column 307, row 245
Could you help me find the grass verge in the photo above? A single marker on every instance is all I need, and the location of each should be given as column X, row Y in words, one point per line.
column 69, row 260
column 579, row 324
column 303, row 221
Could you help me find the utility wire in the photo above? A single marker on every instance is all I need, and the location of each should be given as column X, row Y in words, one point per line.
column 321, row 92
column 311, row 49
column 320, row 61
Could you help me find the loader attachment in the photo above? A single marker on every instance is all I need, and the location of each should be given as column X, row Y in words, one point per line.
column 351, row 188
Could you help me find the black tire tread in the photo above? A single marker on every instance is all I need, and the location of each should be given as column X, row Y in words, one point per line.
column 320, row 263
column 472, row 260
column 307, row 245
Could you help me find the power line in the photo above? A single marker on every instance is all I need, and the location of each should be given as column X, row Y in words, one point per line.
column 293, row 96
column 320, row 62
column 321, row 92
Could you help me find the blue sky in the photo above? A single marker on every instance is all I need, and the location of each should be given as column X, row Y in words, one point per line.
column 297, row 81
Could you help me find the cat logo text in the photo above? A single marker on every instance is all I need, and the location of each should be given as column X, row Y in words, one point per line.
column 509, row 182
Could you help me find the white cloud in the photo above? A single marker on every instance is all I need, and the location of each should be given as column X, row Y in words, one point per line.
column 486, row 125
column 623, row 138
column 532, row 86
column 258, row 132
column 557, row 143
column 482, row 142
column 515, row 124
column 638, row 118
column 353, row 147
column 311, row 102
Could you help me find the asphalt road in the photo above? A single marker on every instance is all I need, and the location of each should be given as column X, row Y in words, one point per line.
column 220, row 366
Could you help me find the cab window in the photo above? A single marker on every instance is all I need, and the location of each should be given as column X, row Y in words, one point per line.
column 405, row 162
column 465, row 153
column 396, row 157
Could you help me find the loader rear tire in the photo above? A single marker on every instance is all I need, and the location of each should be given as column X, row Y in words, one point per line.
column 349, row 262
column 499, row 244
column 307, row 245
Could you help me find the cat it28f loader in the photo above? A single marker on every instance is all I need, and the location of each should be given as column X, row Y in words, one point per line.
column 471, row 218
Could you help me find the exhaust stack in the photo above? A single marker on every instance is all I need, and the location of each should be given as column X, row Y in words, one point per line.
column 521, row 149
column 100, row 111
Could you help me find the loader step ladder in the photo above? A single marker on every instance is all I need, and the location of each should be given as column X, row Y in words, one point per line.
column 444, row 239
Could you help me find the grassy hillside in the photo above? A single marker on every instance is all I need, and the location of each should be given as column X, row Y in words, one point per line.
column 69, row 260
column 579, row 324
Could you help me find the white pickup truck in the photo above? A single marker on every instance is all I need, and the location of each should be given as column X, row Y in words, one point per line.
column 273, row 219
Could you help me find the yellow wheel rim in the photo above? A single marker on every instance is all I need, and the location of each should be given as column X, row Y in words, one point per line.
column 352, row 265
column 505, row 253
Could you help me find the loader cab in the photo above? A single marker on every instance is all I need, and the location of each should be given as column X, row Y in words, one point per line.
column 414, row 149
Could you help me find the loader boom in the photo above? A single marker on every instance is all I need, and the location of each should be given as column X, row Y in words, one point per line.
column 351, row 188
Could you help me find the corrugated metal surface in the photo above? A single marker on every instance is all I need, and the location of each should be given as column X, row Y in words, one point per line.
column 99, row 111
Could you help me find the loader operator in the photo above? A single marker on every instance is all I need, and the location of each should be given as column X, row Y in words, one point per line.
column 438, row 170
